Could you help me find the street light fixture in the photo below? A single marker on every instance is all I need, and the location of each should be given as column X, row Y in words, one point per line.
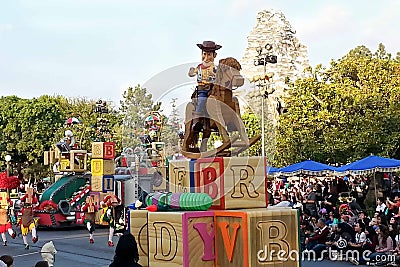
column 264, row 56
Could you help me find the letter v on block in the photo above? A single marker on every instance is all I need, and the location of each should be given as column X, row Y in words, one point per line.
column 229, row 243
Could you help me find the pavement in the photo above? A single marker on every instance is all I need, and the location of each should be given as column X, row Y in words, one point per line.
column 74, row 250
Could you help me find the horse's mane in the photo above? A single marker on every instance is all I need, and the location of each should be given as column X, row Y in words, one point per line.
column 231, row 62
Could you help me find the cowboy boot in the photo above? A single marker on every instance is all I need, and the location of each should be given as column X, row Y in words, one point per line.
column 197, row 124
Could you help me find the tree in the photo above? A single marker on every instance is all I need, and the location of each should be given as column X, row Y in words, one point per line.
column 28, row 128
column 170, row 130
column 343, row 113
column 88, row 130
column 135, row 105
column 31, row 126
column 252, row 123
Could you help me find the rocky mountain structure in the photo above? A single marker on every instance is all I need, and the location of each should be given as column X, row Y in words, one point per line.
column 272, row 36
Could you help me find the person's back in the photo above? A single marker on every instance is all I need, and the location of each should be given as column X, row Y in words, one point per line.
column 126, row 252
column 42, row 264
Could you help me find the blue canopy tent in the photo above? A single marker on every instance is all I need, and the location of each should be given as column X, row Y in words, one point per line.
column 371, row 164
column 309, row 167
column 272, row 170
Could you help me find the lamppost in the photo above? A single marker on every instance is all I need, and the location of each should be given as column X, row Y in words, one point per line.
column 264, row 56
column 8, row 159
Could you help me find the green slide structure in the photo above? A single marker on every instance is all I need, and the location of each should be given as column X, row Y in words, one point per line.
column 64, row 188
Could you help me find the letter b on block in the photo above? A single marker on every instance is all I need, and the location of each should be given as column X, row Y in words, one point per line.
column 103, row 150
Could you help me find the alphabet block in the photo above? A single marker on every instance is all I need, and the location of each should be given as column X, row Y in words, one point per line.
column 160, row 180
column 3, row 199
column 103, row 150
column 64, row 165
column 46, row 156
column 232, row 183
column 98, row 197
column 259, row 237
column 181, row 239
column 181, row 176
column 52, row 157
column 102, row 167
column 78, row 160
column 96, row 183
column 29, row 195
column 138, row 228
column 108, row 183
column 90, row 201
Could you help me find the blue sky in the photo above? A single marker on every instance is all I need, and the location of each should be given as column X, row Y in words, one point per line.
column 97, row 48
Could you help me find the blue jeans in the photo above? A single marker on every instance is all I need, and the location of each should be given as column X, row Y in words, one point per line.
column 202, row 96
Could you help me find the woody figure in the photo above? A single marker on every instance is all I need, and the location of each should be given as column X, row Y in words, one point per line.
column 205, row 79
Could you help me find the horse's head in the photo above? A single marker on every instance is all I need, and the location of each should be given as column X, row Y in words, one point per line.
column 228, row 73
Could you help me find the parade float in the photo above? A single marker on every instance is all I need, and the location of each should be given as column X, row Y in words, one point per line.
column 130, row 176
column 177, row 228
column 143, row 169
column 60, row 204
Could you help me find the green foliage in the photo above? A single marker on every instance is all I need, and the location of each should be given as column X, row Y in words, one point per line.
column 28, row 128
column 135, row 105
column 343, row 113
column 31, row 126
column 253, row 125
column 169, row 133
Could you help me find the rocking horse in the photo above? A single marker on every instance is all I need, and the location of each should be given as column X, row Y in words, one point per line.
column 222, row 116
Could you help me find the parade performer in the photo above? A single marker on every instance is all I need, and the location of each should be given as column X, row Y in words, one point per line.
column 89, row 210
column 205, row 78
column 27, row 218
column 112, row 215
column 67, row 143
column 5, row 219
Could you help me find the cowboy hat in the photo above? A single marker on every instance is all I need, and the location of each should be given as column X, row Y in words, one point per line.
column 209, row 46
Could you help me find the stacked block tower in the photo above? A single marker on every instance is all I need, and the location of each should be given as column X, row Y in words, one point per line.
column 102, row 166
column 238, row 230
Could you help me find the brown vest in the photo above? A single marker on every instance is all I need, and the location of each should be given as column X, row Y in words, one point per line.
column 27, row 217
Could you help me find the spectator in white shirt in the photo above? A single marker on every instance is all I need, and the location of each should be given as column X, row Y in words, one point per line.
column 360, row 235
column 381, row 207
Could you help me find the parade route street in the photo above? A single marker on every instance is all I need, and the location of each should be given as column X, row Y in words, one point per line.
column 74, row 250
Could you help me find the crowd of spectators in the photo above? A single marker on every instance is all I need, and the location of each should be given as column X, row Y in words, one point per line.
column 333, row 216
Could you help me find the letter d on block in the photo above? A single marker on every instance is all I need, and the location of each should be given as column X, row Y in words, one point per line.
column 166, row 241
